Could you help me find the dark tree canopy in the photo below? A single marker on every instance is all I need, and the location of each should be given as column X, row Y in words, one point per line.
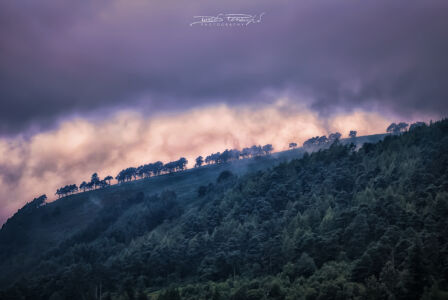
column 397, row 128
column 321, row 141
column 338, row 223
column 83, row 186
column 66, row 190
column 416, row 125
column 108, row 178
column 95, row 180
column 36, row 202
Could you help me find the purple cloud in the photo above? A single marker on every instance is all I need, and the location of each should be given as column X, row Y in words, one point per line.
column 63, row 58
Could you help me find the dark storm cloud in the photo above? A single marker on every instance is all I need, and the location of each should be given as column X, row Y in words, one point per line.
column 58, row 58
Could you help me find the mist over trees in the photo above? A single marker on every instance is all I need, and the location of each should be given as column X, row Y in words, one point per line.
column 339, row 223
column 159, row 168
column 397, row 128
column 267, row 149
column 234, row 154
column 321, row 141
column 228, row 155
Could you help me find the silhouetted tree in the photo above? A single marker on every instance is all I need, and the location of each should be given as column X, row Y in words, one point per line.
column 213, row 158
column 181, row 164
column 392, row 128
column 73, row 188
column 89, row 185
column 402, row 126
column 352, row 134
column 95, row 180
column 108, row 178
column 120, row 177
column 83, row 186
column 334, row 137
column 319, row 141
column 268, row 149
column 169, row 167
column 225, row 156
column 199, row 161
column 68, row 189
column 315, row 141
column 156, row 168
column 140, row 171
column 103, row 183
column 35, row 203
column 292, row 145
column 59, row 192
column 397, row 128
column 256, row 150
column 322, row 140
column 39, row 201
column 147, row 170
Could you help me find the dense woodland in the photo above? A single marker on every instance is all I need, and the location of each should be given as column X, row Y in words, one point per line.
column 339, row 223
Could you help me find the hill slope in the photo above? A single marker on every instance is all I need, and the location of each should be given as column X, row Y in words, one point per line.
column 27, row 234
column 338, row 223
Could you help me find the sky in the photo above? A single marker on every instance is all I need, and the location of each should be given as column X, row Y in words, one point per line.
column 97, row 86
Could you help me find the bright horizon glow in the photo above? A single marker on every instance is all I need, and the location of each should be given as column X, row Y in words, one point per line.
column 79, row 147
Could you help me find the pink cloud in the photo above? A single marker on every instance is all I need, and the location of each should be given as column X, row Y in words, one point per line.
column 80, row 147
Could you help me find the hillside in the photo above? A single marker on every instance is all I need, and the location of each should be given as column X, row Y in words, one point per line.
column 336, row 224
column 28, row 235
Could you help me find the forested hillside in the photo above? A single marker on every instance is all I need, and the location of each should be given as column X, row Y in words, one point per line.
column 339, row 223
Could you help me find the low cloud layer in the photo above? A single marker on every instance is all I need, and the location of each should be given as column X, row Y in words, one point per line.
column 79, row 147
column 64, row 58
column 90, row 86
